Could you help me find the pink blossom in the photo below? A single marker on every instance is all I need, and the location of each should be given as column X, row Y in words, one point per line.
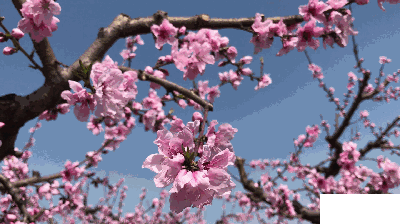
column 328, row 39
column 165, row 33
column 299, row 140
column 203, row 88
column 246, row 59
column 48, row 190
column 337, row 4
column 369, row 88
column 182, row 30
column 314, row 9
column 263, row 38
column 94, row 126
column 112, row 90
column 259, row 26
column 186, row 60
column 213, row 93
column 127, row 54
column 313, row 130
column 152, row 101
column 306, row 34
column 231, row 53
column 197, row 116
column 211, row 37
column 391, row 173
column 288, row 44
column 278, row 29
column 149, row 119
column 72, row 171
column 254, row 163
column 320, row 182
column 52, row 114
column 191, row 187
column 220, row 140
column 158, row 74
column 138, row 40
column 211, row 180
column 349, row 156
column 223, row 77
column 197, row 62
column 246, row 71
column 81, row 99
column 384, row 60
column 129, row 42
column 11, row 217
column 264, row 82
column 234, row 78
column 182, row 103
column 343, row 27
column 352, row 76
column 94, row 158
column 396, row 133
column 38, row 19
column 41, row 11
column 14, row 168
column 364, row 114
column 244, row 201
column 75, row 193
column 316, row 70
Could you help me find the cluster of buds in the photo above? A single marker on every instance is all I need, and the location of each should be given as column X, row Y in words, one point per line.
column 17, row 34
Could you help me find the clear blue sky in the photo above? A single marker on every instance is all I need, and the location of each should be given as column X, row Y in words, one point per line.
column 267, row 120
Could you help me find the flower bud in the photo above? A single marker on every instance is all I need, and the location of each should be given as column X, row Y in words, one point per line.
column 17, row 33
column 246, row 71
column 8, row 51
column 197, row 116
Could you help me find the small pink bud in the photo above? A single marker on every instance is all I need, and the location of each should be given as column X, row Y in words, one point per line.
column 8, row 51
column 149, row 70
column 17, row 33
column 246, row 71
column 197, row 116
column 168, row 58
column 246, row 59
column 11, row 217
column 138, row 40
column 182, row 30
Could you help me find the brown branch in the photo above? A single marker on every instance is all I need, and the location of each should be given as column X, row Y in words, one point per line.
column 16, row 198
column 379, row 141
column 169, row 86
column 259, row 195
column 19, row 47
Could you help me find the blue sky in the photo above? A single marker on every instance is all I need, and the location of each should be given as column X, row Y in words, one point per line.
column 267, row 120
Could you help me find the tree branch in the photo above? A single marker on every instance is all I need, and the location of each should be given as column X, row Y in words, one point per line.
column 169, row 86
column 259, row 194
